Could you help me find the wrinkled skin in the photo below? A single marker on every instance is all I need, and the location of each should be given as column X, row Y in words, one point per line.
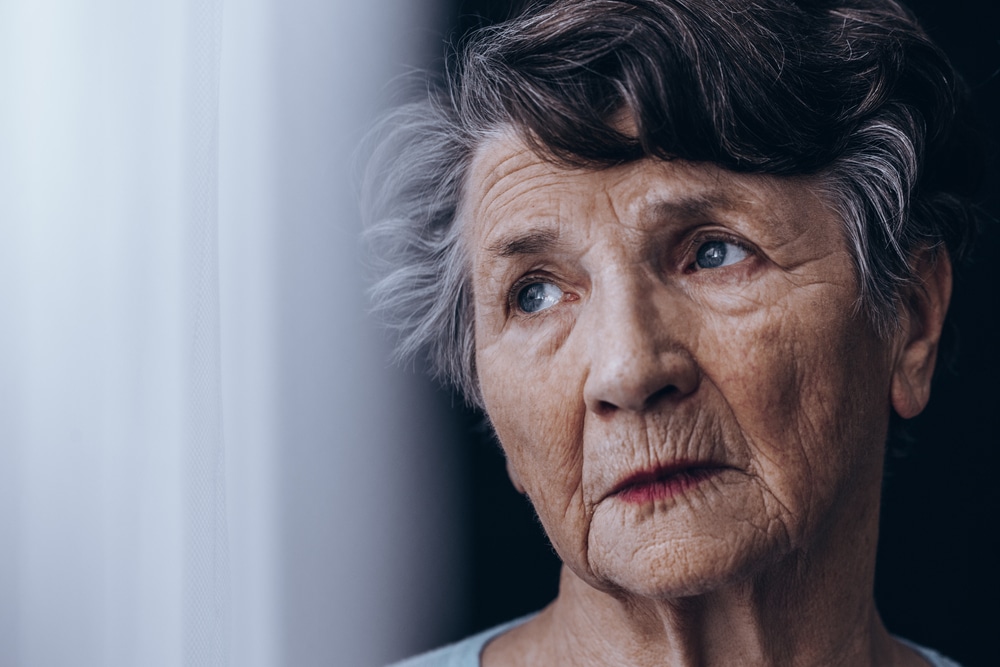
column 642, row 356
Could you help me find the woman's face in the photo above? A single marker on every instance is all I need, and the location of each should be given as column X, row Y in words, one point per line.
column 671, row 358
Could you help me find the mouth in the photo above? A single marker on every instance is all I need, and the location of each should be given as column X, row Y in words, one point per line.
column 663, row 482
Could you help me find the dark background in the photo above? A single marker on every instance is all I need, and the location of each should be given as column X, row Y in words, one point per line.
column 937, row 580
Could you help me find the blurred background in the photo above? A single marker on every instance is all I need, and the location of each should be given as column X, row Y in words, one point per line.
column 205, row 457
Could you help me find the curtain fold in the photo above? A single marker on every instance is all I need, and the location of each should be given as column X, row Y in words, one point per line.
column 113, row 527
column 205, row 459
column 206, row 557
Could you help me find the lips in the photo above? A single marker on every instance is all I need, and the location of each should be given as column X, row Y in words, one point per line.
column 664, row 482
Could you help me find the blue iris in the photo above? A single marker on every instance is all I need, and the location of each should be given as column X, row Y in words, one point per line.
column 538, row 296
column 715, row 254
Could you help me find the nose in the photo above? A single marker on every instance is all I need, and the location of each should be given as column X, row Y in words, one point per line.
column 637, row 358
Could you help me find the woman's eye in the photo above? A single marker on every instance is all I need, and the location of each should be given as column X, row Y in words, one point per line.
column 538, row 296
column 715, row 254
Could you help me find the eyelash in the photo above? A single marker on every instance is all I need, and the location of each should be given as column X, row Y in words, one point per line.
column 709, row 237
column 519, row 285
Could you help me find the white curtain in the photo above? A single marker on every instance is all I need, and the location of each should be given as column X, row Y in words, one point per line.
column 204, row 459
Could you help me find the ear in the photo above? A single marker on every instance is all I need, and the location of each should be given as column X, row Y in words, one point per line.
column 920, row 332
column 514, row 479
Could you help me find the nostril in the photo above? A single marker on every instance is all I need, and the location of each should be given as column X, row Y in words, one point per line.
column 639, row 380
column 667, row 391
column 605, row 408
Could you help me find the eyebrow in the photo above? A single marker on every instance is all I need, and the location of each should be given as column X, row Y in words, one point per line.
column 527, row 243
column 692, row 207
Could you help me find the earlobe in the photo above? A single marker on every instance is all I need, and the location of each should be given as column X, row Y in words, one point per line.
column 920, row 334
column 514, row 479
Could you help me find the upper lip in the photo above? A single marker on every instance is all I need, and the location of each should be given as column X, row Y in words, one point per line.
column 661, row 472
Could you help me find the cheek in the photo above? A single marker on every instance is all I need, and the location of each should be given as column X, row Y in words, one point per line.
column 806, row 395
column 755, row 363
column 536, row 411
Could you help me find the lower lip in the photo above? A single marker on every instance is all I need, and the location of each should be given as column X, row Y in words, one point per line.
column 667, row 487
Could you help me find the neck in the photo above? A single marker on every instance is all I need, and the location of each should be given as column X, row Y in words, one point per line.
column 771, row 619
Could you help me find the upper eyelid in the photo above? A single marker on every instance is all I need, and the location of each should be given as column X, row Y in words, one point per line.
column 709, row 236
column 537, row 274
column 685, row 259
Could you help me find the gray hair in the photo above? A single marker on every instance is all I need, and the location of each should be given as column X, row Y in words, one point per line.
column 852, row 92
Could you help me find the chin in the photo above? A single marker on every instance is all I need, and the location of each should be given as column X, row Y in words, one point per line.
column 679, row 548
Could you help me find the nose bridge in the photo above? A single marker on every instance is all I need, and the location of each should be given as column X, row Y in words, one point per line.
column 635, row 355
column 626, row 316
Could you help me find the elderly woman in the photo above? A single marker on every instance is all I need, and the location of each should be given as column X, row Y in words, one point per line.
column 689, row 257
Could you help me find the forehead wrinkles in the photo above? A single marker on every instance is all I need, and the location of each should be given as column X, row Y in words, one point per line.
column 641, row 196
column 494, row 185
column 505, row 172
